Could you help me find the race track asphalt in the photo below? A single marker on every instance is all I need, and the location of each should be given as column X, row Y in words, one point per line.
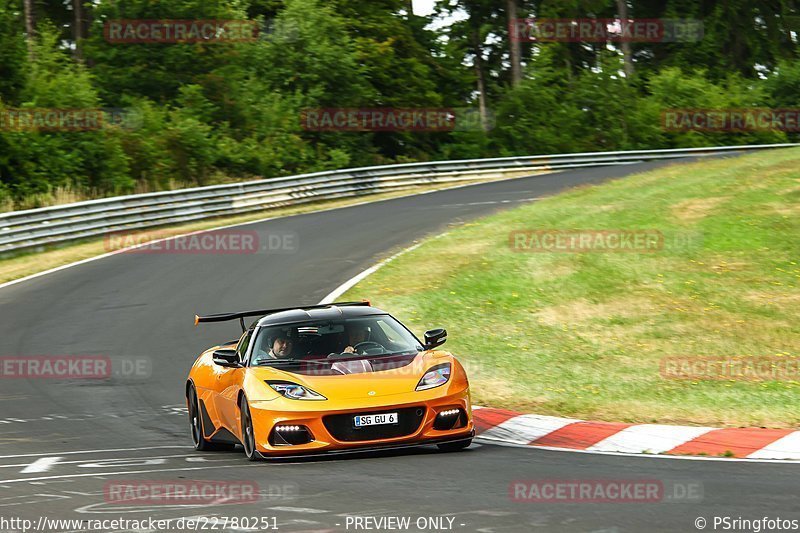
column 140, row 306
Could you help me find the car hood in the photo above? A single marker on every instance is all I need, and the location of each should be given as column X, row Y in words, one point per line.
column 400, row 380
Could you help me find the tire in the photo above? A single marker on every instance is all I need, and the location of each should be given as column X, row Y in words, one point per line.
column 454, row 446
column 196, row 427
column 248, row 434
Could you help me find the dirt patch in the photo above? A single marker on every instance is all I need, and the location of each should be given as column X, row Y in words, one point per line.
column 786, row 209
column 780, row 299
column 582, row 310
column 696, row 208
column 541, row 270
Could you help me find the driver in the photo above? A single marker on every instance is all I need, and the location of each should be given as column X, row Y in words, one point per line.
column 280, row 346
column 356, row 334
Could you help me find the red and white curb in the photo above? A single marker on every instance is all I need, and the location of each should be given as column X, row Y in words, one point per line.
column 510, row 427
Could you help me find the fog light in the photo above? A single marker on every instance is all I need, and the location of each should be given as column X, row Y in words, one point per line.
column 290, row 436
column 450, row 419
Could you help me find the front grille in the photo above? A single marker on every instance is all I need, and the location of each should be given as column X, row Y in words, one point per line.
column 341, row 426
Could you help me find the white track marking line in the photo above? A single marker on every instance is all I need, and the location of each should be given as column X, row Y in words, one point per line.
column 188, row 457
column 129, row 472
column 32, row 499
column 652, row 438
column 526, row 428
column 258, row 221
column 40, row 465
column 787, row 447
column 48, row 454
column 495, row 202
column 350, row 283
column 304, row 510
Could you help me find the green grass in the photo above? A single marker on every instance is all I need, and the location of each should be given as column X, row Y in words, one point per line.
column 582, row 334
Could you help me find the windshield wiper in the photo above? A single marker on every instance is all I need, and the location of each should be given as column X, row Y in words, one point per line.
column 291, row 362
column 357, row 357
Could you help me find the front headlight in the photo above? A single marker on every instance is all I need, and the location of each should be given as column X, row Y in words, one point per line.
column 436, row 376
column 294, row 391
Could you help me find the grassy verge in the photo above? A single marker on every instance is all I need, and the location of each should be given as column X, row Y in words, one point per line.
column 584, row 334
column 26, row 264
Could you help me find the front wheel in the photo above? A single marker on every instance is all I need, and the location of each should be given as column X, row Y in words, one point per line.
column 454, row 446
column 248, row 435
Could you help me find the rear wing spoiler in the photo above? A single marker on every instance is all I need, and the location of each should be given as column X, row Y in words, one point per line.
column 226, row 317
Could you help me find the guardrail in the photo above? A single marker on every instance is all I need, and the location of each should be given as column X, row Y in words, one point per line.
column 36, row 228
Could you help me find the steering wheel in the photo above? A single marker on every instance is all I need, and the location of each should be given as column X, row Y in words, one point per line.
column 359, row 349
column 367, row 345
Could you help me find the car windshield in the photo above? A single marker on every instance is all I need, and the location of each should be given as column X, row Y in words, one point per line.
column 369, row 337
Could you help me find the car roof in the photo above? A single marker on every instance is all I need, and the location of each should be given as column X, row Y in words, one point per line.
column 327, row 313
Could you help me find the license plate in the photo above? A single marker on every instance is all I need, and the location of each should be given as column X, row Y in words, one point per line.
column 375, row 420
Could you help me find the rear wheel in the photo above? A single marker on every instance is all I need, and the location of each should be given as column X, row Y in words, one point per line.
column 196, row 421
column 454, row 446
column 248, row 435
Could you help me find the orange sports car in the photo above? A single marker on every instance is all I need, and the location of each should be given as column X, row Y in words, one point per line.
column 327, row 378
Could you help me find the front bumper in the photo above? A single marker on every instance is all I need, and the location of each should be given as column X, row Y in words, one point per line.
column 365, row 449
column 330, row 434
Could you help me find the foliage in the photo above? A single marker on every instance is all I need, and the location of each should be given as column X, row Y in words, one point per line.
column 201, row 113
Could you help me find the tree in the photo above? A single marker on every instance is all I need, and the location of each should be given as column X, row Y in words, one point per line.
column 739, row 36
column 30, row 24
column 37, row 162
column 78, row 25
column 622, row 14
column 13, row 51
column 515, row 49
column 468, row 40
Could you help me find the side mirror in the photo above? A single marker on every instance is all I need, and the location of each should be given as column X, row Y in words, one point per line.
column 226, row 358
column 435, row 337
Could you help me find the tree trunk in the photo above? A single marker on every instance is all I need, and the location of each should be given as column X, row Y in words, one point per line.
column 622, row 13
column 514, row 44
column 30, row 25
column 481, row 82
column 77, row 27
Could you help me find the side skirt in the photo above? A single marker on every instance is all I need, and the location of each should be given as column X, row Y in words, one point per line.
column 219, row 436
